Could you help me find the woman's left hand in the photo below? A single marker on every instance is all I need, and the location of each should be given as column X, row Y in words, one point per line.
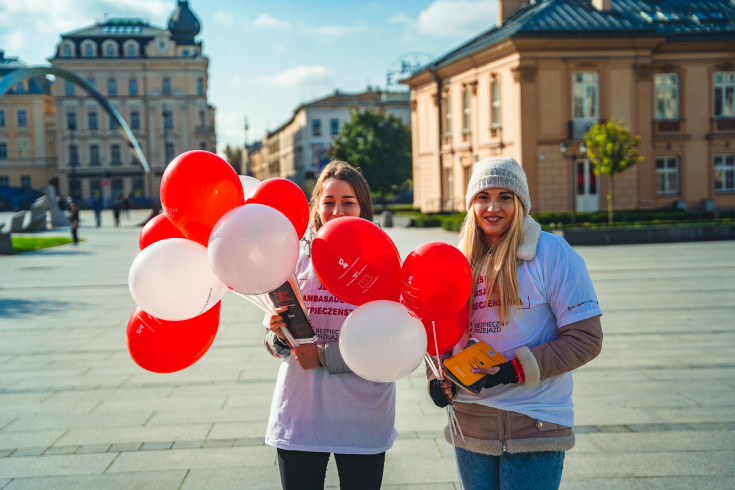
column 306, row 355
column 509, row 372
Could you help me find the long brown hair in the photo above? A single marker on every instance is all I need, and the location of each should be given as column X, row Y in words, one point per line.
column 497, row 264
column 337, row 169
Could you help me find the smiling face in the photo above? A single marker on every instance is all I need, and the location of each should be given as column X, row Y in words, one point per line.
column 494, row 209
column 337, row 200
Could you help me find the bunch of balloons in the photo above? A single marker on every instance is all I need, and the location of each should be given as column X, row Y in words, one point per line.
column 209, row 240
column 404, row 311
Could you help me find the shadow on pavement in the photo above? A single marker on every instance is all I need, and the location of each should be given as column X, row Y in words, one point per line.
column 14, row 307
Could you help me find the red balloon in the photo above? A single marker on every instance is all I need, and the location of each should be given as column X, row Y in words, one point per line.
column 163, row 346
column 448, row 332
column 356, row 261
column 436, row 280
column 197, row 189
column 158, row 228
column 286, row 197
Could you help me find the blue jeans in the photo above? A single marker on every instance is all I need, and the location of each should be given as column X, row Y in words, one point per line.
column 532, row 471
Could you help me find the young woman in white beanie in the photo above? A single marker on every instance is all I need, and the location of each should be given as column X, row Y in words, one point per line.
column 533, row 302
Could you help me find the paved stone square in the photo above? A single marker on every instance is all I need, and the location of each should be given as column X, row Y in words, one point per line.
column 655, row 410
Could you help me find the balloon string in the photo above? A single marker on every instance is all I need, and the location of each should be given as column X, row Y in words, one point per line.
column 430, row 362
column 257, row 302
column 450, row 415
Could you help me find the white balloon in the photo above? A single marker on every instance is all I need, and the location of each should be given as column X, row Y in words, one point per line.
column 248, row 184
column 253, row 248
column 171, row 279
column 382, row 341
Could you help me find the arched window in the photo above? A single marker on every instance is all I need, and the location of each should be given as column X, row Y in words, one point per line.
column 88, row 50
column 66, row 51
column 133, row 86
column 111, row 87
column 131, row 51
column 200, row 86
column 166, row 86
column 109, row 51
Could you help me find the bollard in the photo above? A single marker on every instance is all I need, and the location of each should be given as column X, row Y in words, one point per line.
column 386, row 219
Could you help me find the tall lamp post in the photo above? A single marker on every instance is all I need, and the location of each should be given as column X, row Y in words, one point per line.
column 565, row 153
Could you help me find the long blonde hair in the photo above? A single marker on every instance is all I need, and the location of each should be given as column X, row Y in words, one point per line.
column 497, row 264
column 337, row 169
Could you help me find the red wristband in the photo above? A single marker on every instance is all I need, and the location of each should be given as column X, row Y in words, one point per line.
column 519, row 370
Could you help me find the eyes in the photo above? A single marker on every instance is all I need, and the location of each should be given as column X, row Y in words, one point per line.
column 504, row 196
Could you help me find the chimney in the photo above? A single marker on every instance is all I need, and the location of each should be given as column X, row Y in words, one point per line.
column 506, row 8
column 602, row 5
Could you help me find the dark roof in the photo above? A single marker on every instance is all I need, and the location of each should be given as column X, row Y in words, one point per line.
column 672, row 19
column 36, row 85
column 116, row 28
column 183, row 24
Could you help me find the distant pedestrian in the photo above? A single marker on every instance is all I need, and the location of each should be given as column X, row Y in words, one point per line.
column 97, row 207
column 117, row 209
column 74, row 222
column 126, row 206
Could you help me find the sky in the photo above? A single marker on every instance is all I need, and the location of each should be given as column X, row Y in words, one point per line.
column 268, row 57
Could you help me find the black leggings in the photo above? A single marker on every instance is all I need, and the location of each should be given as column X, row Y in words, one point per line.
column 305, row 470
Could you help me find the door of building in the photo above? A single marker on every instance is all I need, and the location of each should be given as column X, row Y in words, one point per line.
column 587, row 198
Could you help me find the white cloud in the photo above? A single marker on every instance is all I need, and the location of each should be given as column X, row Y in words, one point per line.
column 458, row 17
column 299, row 76
column 399, row 18
column 279, row 49
column 236, row 81
column 223, row 17
column 269, row 22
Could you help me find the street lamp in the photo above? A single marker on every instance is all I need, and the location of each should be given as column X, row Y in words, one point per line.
column 582, row 151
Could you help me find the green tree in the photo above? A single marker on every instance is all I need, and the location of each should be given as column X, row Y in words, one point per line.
column 612, row 150
column 233, row 155
column 379, row 144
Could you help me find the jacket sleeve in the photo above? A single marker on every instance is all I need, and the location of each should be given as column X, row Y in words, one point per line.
column 578, row 343
column 331, row 358
column 275, row 347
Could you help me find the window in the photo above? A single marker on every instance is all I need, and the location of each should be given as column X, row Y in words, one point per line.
column 66, row 51
column 94, row 156
column 91, row 82
column 73, row 155
column 3, row 151
column 4, row 181
column 666, row 95
column 585, row 102
column 725, row 173
column 135, row 120
column 138, row 186
column 22, row 118
column 200, row 86
column 725, row 94
column 92, row 121
column 170, row 152
column 466, row 111
column 168, row 120
column 68, row 88
column 133, row 86
column 71, row 120
column 113, row 123
column 110, row 51
column 116, row 186
column 495, row 100
column 115, row 155
column 2, row 118
column 23, row 147
column 316, row 127
column 667, row 175
column 447, row 108
column 166, row 86
column 334, row 127
column 111, row 87
column 25, row 181
column 88, row 51
column 131, row 52
column 201, row 118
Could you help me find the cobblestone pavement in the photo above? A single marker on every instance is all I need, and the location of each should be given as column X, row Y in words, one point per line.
column 655, row 410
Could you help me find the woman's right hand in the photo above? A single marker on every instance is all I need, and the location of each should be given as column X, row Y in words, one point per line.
column 442, row 392
column 276, row 323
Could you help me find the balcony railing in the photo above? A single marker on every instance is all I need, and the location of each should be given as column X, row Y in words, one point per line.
column 723, row 124
column 668, row 126
column 204, row 129
column 577, row 128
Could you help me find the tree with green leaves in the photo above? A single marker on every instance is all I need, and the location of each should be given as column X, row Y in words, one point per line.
column 233, row 155
column 612, row 150
column 379, row 144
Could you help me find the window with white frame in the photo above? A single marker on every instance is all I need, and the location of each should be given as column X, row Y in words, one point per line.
column 200, row 86
column 23, row 147
column 724, row 96
column 316, row 127
column 22, row 118
column 110, row 51
column 73, row 154
column 115, row 154
column 585, row 95
column 135, row 120
column 495, row 104
column 3, row 151
column 92, row 122
column 447, row 109
column 334, row 127
column 166, row 86
column 666, row 95
column 71, row 120
column 2, row 118
column 94, row 155
column 131, row 51
column 466, row 110
column 667, row 175
column 133, row 86
column 111, row 86
column 725, row 173
column 88, row 50
column 68, row 88
column 66, row 51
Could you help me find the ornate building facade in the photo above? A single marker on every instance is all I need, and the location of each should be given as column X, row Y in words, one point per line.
column 532, row 86
column 155, row 78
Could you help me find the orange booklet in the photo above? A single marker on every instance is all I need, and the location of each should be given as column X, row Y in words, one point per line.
column 475, row 354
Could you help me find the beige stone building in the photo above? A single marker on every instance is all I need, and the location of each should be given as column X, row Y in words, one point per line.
column 532, row 86
column 27, row 136
column 297, row 150
column 155, row 78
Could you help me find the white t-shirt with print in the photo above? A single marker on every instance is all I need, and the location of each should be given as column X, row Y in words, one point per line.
column 555, row 290
column 313, row 410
